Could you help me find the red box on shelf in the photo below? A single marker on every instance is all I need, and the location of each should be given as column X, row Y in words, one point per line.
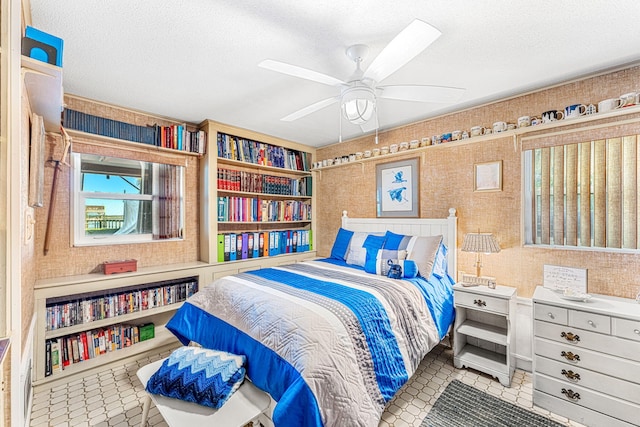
column 123, row 266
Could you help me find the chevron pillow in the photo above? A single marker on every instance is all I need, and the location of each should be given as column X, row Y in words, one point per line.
column 199, row 375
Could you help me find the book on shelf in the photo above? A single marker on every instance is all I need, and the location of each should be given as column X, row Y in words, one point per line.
column 261, row 153
column 63, row 312
column 176, row 137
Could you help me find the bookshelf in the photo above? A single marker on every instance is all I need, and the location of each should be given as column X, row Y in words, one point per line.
column 255, row 188
column 97, row 306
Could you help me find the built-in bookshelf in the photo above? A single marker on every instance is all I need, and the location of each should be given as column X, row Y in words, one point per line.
column 263, row 198
column 94, row 319
column 174, row 137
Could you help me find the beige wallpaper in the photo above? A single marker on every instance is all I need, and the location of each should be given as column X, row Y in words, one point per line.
column 446, row 180
column 65, row 260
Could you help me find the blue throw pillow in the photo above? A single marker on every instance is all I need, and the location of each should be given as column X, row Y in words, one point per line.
column 341, row 244
column 409, row 269
column 393, row 240
column 199, row 375
column 372, row 244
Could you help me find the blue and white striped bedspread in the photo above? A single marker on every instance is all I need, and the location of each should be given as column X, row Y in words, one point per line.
column 331, row 344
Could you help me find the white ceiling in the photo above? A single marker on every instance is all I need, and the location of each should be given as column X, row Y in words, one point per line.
column 197, row 59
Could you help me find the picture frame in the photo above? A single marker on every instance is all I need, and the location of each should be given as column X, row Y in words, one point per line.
column 487, row 176
column 397, row 189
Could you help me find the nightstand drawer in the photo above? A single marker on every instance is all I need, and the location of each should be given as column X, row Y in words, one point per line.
column 482, row 302
column 590, row 321
column 550, row 313
column 625, row 328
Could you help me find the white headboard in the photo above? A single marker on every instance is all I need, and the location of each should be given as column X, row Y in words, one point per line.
column 413, row 226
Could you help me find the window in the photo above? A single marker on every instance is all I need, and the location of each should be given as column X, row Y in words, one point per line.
column 584, row 194
column 125, row 201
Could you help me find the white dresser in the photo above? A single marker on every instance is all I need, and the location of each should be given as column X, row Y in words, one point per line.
column 586, row 363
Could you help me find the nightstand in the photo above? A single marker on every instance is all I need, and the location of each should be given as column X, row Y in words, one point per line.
column 484, row 333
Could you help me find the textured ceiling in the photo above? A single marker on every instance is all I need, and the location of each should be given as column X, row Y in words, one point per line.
column 197, row 59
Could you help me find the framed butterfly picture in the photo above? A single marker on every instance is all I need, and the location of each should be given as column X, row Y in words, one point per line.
column 397, row 192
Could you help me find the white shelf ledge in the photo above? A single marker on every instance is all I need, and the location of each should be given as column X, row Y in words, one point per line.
column 44, row 87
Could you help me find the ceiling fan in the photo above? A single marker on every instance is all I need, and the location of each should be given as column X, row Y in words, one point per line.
column 359, row 92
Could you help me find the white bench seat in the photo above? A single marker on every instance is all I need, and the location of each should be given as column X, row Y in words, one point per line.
column 245, row 405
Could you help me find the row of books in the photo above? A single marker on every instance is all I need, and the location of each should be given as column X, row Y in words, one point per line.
column 235, row 180
column 176, row 137
column 237, row 246
column 253, row 209
column 262, row 153
column 89, row 308
column 62, row 352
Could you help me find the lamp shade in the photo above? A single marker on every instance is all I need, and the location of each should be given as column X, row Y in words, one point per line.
column 358, row 104
column 480, row 242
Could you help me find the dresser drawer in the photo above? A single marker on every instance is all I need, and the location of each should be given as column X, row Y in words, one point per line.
column 588, row 359
column 575, row 338
column 590, row 321
column 625, row 328
column 482, row 302
column 585, row 397
column 571, row 374
column 550, row 313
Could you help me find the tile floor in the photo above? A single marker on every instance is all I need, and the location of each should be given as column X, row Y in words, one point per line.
column 112, row 398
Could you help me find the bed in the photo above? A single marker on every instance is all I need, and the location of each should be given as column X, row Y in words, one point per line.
column 331, row 341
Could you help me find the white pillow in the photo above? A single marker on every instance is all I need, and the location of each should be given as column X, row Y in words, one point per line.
column 357, row 254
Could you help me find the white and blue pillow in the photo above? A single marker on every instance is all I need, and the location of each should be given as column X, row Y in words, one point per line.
column 199, row 375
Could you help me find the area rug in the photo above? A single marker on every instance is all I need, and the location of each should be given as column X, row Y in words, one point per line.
column 461, row 405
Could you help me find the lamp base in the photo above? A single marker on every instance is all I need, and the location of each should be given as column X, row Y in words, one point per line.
column 471, row 280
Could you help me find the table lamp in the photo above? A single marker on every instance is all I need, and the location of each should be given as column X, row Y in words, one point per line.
column 480, row 243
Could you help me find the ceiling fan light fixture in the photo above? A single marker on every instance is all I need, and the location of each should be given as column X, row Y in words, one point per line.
column 358, row 104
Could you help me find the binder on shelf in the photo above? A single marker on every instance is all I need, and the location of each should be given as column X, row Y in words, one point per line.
column 239, row 246
column 233, row 247
column 227, row 247
column 272, row 243
column 245, row 246
column 267, row 243
column 221, row 247
column 256, row 242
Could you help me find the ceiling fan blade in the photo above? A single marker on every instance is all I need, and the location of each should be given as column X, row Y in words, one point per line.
column 310, row 109
column 403, row 48
column 437, row 94
column 303, row 73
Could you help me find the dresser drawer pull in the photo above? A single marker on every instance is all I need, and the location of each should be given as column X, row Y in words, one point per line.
column 479, row 303
column 590, row 322
column 570, row 356
column 569, row 336
column 572, row 376
column 551, row 316
column 636, row 331
column 571, row 394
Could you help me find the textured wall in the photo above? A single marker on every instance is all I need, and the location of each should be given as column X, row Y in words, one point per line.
column 446, row 180
column 65, row 260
